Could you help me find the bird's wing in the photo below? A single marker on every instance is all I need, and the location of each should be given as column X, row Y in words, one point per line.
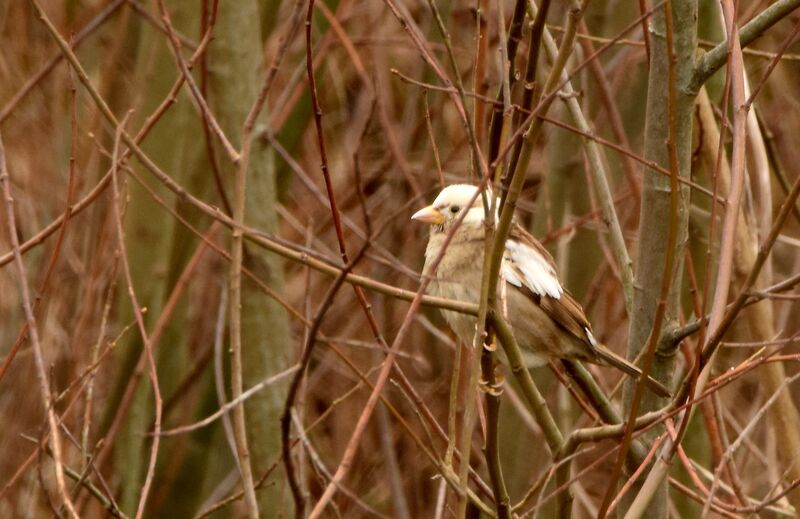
column 529, row 267
column 568, row 314
column 526, row 264
column 519, row 234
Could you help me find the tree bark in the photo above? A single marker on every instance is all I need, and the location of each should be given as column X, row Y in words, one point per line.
column 655, row 208
column 235, row 61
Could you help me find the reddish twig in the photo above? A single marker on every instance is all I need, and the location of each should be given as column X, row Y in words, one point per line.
column 772, row 64
column 104, row 182
column 728, row 238
column 669, row 261
column 638, row 472
column 546, row 100
column 305, row 358
column 606, row 97
column 383, row 376
column 208, row 19
column 208, row 116
column 41, row 370
column 645, row 28
column 95, row 23
column 137, row 311
column 392, row 140
column 62, row 229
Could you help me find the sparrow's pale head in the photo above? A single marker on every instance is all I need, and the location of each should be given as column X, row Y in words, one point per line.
column 448, row 206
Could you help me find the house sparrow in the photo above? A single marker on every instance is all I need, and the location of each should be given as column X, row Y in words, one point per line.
column 545, row 318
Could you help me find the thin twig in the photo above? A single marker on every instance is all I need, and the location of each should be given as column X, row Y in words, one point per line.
column 773, row 63
column 87, row 30
column 305, row 358
column 669, row 260
column 208, row 116
column 714, row 59
column 41, row 370
column 137, row 311
column 383, row 376
column 225, row 409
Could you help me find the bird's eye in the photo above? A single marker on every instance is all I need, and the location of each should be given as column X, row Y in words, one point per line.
column 454, row 209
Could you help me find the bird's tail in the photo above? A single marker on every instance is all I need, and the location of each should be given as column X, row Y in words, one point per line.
column 632, row 371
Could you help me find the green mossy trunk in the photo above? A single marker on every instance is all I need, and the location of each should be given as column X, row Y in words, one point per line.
column 235, row 72
column 652, row 247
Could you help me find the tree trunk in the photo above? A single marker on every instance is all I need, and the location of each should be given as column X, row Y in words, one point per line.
column 234, row 63
column 655, row 210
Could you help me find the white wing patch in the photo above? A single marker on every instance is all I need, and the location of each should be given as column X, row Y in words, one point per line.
column 523, row 265
column 591, row 338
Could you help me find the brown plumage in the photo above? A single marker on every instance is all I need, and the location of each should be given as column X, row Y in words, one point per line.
column 545, row 318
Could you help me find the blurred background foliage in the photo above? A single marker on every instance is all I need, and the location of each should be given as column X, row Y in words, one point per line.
column 395, row 140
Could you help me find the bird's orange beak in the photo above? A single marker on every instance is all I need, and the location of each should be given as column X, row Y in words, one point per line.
column 428, row 215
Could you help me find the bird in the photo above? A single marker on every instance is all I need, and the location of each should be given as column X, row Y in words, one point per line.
column 546, row 320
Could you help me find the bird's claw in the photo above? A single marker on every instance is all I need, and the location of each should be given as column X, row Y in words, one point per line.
column 494, row 388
